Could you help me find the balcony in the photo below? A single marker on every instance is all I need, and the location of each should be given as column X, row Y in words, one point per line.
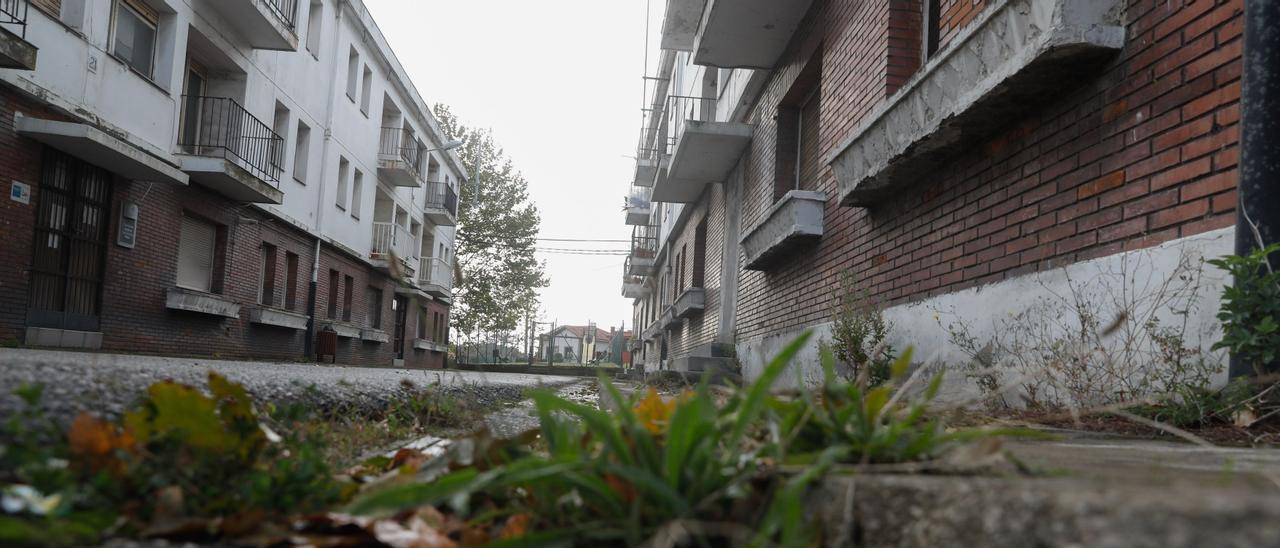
column 644, row 250
column 669, row 318
column 680, row 25
column 15, row 51
column 394, row 249
column 265, row 24
column 399, row 154
column 1003, row 64
column 633, row 287
column 436, row 277
column 228, row 150
column 747, row 33
column 791, row 225
column 441, row 206
column 702, row 150
column 638, row 207
column 690, row 303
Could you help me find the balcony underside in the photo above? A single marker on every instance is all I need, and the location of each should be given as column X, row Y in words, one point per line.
column 430, row 346
column 229, row 179
column 1002, row 68
column 99, row 148
column 670, row 319
column 646, row 169
column 633, row 291
column 747, row 33
column 690, row 303
column 706, row 153
column 16, row 53
column 680, row 25
column 435, row 289
column 397, row 172
column 639, row 266
column 793, row 224
column 440, row 216
column 638, row 216
column 257, row 23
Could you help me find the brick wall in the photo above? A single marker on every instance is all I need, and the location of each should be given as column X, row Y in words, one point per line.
column 19, row 161
column 703, row 328
column 355, row 351
column 1143, row 153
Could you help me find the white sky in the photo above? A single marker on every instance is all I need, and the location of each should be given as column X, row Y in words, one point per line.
column 559, row 83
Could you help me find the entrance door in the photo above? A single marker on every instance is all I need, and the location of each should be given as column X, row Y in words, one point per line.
column 400, row 306
column 69, row 256
column 193, row 108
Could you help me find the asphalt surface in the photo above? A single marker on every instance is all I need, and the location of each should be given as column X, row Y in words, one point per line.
column 107, row 384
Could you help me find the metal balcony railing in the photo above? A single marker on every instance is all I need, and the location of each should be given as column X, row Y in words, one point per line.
column 391, row 238
column 644, row 242
column 397, row 142
column 442, row 196
column 13, row 13
column 436, row 271
column 220, row 127
column 286, row 11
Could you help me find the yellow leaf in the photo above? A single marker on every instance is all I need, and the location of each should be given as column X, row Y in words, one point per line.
column 94, row 442
column 517, row 526
column 654, row 413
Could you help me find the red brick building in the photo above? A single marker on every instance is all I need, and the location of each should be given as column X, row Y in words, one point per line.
column 954, row 157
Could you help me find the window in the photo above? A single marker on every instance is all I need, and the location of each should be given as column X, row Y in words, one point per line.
column 374, row 302
column 366, row 90
column 932, row 27
column 700, row 254
column 134, row 33
column 267, row 297
column 344, row 167
column 290, row 281
column 422, row 324
column 279, row 125
column 353, row 73
column 333, row 294
column 684, row 248
column 357, row 191
column 315, row 27
column 197, row 246
column 346, row 298
column 301, row 153
column 798, row 154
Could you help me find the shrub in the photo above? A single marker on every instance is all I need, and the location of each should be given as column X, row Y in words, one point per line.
column 858, row 333
column 1250, row 312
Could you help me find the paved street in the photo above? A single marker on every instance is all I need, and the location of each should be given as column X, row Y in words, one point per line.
column 107, row 383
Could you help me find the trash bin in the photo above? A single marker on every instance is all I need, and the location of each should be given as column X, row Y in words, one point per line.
column 327, row 345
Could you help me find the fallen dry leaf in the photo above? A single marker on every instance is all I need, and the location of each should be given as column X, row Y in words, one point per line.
column 517, row 526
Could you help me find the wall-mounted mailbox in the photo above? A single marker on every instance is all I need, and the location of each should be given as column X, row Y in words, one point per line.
column 127, row 234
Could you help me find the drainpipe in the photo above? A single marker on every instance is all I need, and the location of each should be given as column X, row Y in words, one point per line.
column 324, row 177
column 1259, row 186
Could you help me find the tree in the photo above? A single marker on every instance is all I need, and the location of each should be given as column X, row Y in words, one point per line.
column 496, row 235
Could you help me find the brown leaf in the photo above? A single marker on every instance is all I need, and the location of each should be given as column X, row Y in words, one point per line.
column 517, row 526
column 94, row 442
column 415, row 534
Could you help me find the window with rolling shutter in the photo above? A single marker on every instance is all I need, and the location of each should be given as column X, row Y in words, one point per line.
column 51, row 7
column 196, row 243
column 798, row 161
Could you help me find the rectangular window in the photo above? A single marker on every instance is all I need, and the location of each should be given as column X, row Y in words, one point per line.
column 346, row 298
column 353, row 74
column 797, row 161
column 291, row 281
column 932, row 27
column 333, row 295
column 808, row 149
column 374, row 302
column 357, row 192
column 301, row 153
column 197, row 246
column 134, row 36
column 267, row 297
column 422, row 323
column 315, row 27
column 366, row 90
column 279, row 125
column 700, row 254
column 344, row 169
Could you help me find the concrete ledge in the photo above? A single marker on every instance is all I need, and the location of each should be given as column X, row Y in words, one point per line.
column 999, row 68
column 63, row 338
column 792, row 223
column 669, row 318
column 747, row 33
column 375, row 335
column 640, row 266
column 99, row 148
column 646, row 170
column 344, row 330
column 279, row 318
column 259, row 24
column 680, row 24
column 432, row 346
column 16, row 53
column 690, row 303
column 705, row 153
column 634, row 290
column 653, row 330
column 923, row 510
column 189, row 300
column 228, row 178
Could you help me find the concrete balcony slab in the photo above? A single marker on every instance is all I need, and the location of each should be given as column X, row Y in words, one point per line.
column 989, row 76
column 16, row 53
column 279, row 318
column 747, row 33
column 669, row 319
column 680, row 25
column 430, row 346
column 100, row 148
column 638, row 215
column 343, row 329
column 705, row 153
column 226, row 177
column 395, row 171
column 791, row 224
column 189, row 300
column 261, row 22
column 690, row 303
column 646, row 170
column 374, row 335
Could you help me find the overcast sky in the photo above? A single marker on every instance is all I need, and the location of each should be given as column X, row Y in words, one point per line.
column 559, row 83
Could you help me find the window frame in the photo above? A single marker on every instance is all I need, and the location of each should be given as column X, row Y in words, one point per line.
column 143, row 18
column 267, row 275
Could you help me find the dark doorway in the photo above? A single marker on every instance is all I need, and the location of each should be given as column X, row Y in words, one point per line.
column 401, row 308
column 69, row 256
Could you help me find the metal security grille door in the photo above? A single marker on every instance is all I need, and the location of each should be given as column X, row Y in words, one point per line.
column 401, row 306
column 69, row 255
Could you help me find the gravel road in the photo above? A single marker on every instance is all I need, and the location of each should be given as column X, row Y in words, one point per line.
column 106, row 384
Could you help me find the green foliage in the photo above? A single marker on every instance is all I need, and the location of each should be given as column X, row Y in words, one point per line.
column 1195, row 406
column 497, row 232
column 1250, row 311
column 858, row 333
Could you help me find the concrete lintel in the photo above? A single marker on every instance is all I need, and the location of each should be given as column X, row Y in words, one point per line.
column 100, row 148
column 188, row 300
column 998, row 69
column 16, row 53
column 278, row 318
column 747, row 33
column 229, row 179
column 790, row 224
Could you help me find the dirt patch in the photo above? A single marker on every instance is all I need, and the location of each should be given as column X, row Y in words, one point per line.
column 1227, row 435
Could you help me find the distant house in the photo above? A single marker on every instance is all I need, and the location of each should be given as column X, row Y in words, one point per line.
column 574, row 343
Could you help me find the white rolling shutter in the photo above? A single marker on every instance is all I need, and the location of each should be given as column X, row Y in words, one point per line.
column 195, row 254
